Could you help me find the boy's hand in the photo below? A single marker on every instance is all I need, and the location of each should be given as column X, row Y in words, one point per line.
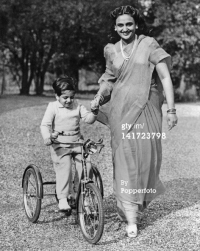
column 54, row 135
column 47, row 142
column 94, row 104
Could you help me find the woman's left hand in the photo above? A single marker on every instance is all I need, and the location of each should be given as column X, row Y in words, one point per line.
column 172, row 120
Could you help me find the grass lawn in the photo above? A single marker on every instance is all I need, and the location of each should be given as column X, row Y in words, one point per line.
column 171, row 222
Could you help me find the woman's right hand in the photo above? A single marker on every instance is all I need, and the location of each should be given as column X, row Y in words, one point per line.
column 172, row 120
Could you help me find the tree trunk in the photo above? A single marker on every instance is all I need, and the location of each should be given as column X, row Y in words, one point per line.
column 74, row 69
column 3, row 80
column 39, row 83
column 182, row 87
column 180, row 91
column 25, row 70
column 32, row 68
column 25, row 87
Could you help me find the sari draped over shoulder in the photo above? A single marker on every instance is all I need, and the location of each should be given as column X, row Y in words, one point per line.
column 131, row 109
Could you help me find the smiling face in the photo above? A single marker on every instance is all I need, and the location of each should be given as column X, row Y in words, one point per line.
column 66, row 99
column 125, row 27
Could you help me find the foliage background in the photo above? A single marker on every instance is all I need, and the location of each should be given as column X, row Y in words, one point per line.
column 65, row 36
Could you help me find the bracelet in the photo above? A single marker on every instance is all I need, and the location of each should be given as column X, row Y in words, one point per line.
column 95, row 112
column 172, row 110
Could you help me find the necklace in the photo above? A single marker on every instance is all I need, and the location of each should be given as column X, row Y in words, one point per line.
column 124, row 56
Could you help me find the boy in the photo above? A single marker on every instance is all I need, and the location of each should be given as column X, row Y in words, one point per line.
column 64, row 116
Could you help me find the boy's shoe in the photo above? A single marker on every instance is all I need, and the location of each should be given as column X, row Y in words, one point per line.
column 64, row 206
column 71, row 201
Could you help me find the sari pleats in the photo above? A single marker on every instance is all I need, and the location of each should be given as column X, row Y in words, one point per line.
column 137, row 161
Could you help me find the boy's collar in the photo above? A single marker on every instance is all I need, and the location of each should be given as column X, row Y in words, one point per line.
column 61, row 106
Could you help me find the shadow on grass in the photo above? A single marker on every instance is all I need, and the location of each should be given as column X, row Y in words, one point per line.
column 52, row 214
column 52, row 220
column 180, row 193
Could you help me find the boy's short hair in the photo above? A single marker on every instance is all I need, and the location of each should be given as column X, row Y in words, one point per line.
column 62, row 84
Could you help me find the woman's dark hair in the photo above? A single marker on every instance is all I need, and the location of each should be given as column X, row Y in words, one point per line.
column 62, row 84
column 133, row 12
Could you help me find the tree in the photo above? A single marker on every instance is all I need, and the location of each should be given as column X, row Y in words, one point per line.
column 177, row 28
column 61, row 36
column 88, row 36
column 33, row 35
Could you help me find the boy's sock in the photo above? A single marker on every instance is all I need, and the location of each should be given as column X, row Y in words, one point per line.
column 63, row 204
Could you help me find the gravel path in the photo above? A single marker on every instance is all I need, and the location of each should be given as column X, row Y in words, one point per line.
column 172, row 222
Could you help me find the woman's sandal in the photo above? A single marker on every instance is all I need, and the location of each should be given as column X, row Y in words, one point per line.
column 130, row 231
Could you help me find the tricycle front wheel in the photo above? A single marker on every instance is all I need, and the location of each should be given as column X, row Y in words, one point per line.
column 97, row 179
column 91, row 213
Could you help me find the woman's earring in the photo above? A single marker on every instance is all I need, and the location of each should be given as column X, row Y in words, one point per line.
column 136, row 27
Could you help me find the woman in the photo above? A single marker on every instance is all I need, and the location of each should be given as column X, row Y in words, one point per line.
column 137, row 71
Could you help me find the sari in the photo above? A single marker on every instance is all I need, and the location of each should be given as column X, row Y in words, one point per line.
column 133, row 97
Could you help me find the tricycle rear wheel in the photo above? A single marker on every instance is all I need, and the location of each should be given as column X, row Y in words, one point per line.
column 32, row 194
